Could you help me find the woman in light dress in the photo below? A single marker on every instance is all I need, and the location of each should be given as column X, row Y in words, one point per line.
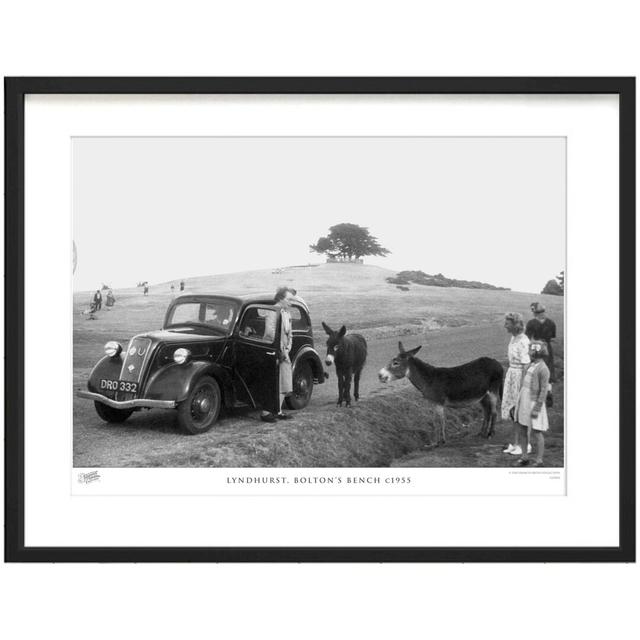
column 531, row 410
column 518, row 360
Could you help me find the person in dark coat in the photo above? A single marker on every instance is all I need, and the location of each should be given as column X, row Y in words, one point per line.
column 542, row 328
column 97, row 300
column 182, row 285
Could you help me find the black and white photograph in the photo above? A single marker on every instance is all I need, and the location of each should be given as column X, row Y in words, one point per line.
column 363, row 320
column 319, row 302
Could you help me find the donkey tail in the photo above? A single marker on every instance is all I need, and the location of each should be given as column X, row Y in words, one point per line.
column 498, row 380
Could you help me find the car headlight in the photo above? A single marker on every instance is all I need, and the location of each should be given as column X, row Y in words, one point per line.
column 112, row 349
column 181, row 355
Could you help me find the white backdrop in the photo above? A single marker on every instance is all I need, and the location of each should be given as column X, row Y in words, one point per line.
column 363, row 38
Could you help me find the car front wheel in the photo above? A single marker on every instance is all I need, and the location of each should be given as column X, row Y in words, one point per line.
column 200, row 410
column 302, row 387
column 110, row 414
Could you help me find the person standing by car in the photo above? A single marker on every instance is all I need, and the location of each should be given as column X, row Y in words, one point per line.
column 283, row 298
column 518, row 352
column 97, row 300
column 542, row 328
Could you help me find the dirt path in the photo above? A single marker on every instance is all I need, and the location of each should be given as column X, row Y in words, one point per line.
column 153, row 436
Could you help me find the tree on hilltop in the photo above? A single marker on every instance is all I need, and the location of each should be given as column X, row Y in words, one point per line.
column 348, row 241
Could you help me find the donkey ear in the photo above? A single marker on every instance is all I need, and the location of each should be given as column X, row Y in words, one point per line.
column 342, row 331
column 327, row 328
column 413, row 352
column 400, row 348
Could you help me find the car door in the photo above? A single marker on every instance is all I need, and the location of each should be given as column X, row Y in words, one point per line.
column 301, row 326
column 257, row 342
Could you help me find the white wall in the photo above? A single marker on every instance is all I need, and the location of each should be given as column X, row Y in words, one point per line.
column 329, row 38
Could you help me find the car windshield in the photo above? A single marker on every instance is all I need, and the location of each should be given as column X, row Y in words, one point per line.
column 216, row 315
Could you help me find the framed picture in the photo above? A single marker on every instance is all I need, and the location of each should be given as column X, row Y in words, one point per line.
column 320, row 319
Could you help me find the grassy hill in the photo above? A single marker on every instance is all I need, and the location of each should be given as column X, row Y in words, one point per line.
column 356, row 295
column 305, row 278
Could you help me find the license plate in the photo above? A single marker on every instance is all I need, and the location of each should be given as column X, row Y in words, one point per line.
column 118, row 385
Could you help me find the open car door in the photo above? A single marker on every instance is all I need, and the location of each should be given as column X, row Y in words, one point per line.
column 256, row 356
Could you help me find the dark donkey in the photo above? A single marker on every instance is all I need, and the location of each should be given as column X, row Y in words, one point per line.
column 479, row 379
column 349, row 353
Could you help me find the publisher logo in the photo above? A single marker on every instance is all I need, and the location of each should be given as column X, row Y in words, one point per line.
column 87, row 478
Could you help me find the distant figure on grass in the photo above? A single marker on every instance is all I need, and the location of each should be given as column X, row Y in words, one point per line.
column 542, row 328
column 97, row 300
column 348, row 353
column 518, row 352
column 479, row 379
column 283, row 298
column 90, row 312
column 181, row 285
column 146, row 289
column 110, row 299
column 173, row 289
column 531, row 412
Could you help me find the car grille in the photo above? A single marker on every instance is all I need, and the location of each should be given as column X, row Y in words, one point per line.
column 136, row 357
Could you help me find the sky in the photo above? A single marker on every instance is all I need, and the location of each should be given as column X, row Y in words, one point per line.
column 160, row 209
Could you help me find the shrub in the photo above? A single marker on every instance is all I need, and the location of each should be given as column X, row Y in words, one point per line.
column 552, row 288
column 398, row 280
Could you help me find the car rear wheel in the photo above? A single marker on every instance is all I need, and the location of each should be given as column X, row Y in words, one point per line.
column 302, row 387
column 200, row 410
column 110, row 414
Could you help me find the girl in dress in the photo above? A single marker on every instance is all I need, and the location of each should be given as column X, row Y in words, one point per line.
column 518, row 359
column 531, row 410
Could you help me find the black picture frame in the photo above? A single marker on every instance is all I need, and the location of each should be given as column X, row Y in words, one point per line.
column 15, row 91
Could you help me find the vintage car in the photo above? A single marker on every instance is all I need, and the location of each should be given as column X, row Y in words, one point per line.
column 213, row 352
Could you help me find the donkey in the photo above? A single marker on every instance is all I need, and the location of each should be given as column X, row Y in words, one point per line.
column 349, row 354
column 479, row 379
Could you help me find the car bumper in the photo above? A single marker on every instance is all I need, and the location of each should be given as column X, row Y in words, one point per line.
column 128, row 404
